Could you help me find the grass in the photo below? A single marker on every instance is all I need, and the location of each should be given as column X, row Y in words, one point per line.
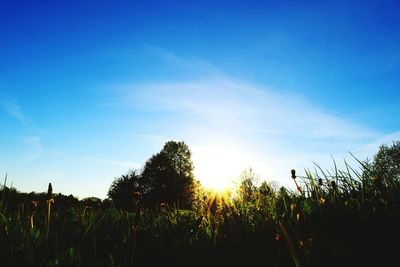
column 336, row 218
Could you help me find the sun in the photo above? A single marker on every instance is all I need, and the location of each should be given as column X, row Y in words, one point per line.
column 217, row 168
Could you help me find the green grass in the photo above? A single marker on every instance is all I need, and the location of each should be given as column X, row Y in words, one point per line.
column 336, row 218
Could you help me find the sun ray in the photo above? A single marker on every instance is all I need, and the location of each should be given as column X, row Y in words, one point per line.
column 217, row 167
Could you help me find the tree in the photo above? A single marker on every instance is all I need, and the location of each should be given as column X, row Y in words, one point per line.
column 385, row 166
column 126, row 191
column 92, row 202
column 387, row 161
column 168, row 176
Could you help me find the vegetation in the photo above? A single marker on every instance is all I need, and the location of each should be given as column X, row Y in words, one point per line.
column 333, row 218
column 167, row 177
column 126, row 191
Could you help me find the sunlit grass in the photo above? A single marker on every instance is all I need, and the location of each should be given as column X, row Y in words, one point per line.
column 218, row 199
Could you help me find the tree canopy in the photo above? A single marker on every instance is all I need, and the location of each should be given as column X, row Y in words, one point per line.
column 167, row 177
column 385, row 166
column 125, row 191
column 387, row 161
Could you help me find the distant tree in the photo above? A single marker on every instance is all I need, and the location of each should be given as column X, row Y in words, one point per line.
column 168, row 176
column 62, row 201
column 125, row 191
column 387, row 161
column 385, row 166
column 92, row 202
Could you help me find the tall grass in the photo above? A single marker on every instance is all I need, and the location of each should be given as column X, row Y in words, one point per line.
column 337, row 217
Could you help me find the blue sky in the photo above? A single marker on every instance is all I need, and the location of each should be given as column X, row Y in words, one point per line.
column 89, row 89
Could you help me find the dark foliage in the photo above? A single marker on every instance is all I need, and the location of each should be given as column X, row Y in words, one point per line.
column 167, row 178
column 126, row 191
column 386, row 163
column 340, row 219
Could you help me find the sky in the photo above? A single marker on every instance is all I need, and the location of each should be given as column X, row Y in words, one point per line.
column 91, row 89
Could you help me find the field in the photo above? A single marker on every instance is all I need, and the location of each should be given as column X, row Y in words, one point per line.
column 199, row 133
column 340, row 218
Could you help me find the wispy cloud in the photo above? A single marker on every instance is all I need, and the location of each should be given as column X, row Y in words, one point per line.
column 34, row 147
column 241, row 107
column 189, row 63
column 158, row 138
column 15, row 110
column 370, row 148
column 113, row 162
column 268, row 128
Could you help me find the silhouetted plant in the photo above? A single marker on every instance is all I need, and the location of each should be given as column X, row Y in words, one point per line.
column 126, row 191
column 337, row 218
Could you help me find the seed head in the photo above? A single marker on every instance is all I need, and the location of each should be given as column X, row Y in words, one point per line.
column 293, row 171
column 49, row 191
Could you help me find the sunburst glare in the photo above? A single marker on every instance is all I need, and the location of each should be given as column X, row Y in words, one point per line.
column 218, row 168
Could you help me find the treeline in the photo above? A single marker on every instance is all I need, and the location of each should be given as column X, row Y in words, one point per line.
column 15, row 200
column 344, row 217
column 167, row 177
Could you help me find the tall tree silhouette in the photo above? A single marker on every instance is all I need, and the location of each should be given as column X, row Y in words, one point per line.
column 168, row 176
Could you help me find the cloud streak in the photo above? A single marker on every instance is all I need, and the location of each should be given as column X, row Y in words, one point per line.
column 15, row 111
column 240, row 107
column 192, row 63
column 34, row 147
column 270, row 130
column 113, row 162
